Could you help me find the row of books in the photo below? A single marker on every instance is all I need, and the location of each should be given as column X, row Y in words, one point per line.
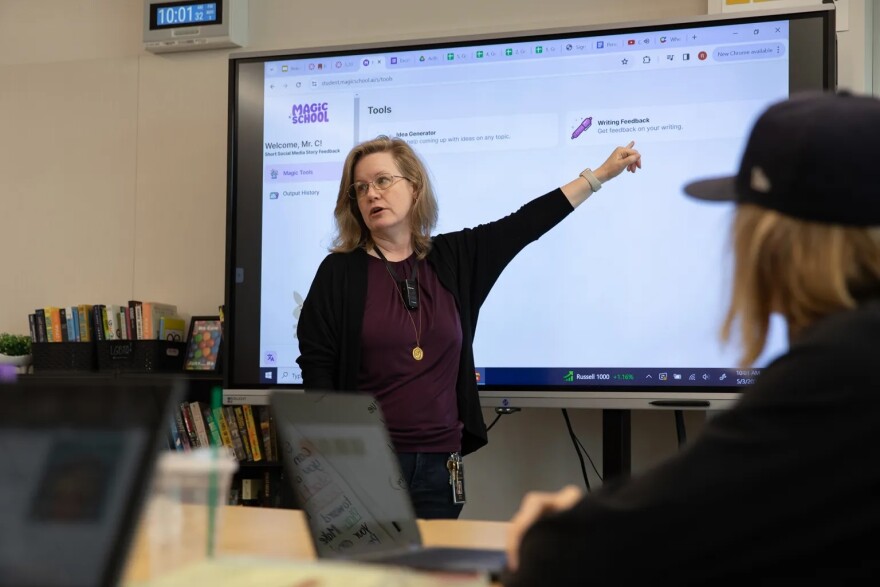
column 245, row 431
column 86, row 322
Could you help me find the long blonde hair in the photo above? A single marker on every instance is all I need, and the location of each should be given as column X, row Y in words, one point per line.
column 802, row 270
column 352, row 231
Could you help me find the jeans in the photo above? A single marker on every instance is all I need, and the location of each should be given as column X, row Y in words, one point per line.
column 427, row 478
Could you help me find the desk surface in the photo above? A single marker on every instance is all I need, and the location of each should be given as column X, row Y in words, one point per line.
column 281, row 533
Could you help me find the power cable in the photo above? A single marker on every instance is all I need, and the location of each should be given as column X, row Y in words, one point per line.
column 575, row 442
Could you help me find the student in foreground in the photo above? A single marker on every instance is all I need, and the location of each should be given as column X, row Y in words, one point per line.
column 783, row 488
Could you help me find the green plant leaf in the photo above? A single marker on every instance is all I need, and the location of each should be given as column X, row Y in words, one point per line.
column 15, row 344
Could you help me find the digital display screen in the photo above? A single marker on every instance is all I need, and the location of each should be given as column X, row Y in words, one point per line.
column 628, row 292
column 176, row 14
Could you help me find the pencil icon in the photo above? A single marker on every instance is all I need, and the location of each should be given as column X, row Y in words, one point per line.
column 587, row 122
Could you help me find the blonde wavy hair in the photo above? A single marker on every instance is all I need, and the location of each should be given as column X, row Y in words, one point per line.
column 351, row 230
column 802, row 270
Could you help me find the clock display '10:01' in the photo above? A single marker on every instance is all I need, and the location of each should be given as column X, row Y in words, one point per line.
column 176, row 15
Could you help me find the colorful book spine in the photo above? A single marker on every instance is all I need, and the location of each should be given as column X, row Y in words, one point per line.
column 139, row 319
column 65, row 327
column 190, row 425
column 223, row 427
column 106, row 323
column 242, row 432
column 85, row 324
column 53, row 324
column 181, row 430
column 132, row 319
column 211, row 425
column 201, row 428
column 235, row 437
column 176, row 442
column 76, row 325
column 47, row 313
column 40, row 324
column 97, row 322
column 253, row 433
column 266, row 433
column 71, row 326
column 123, row 322
column 114, row 329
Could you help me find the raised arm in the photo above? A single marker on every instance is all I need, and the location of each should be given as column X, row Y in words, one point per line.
column 591, row 180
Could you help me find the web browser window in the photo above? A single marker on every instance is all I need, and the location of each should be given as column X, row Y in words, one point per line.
column 630, row 288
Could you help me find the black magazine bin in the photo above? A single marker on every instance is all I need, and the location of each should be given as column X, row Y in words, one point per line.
column 140, row 356
column 64, row 356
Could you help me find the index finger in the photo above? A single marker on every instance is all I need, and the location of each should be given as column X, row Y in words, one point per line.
column 533, row 505
column 630, row 145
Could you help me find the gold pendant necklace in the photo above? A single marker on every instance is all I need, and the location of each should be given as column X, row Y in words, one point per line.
column 417, row 353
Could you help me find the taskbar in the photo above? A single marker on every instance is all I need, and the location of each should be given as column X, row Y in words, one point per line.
column 575, row 377
column 281, row 375
column 596, row 377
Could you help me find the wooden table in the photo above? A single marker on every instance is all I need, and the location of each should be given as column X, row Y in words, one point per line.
column 282, row 533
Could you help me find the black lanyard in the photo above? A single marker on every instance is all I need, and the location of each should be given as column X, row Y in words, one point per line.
column 409, row 287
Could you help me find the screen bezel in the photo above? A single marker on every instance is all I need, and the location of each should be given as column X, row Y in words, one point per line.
column 617, row 395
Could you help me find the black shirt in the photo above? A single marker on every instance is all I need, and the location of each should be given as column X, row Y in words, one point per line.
column 783, row 488
column 417, row 397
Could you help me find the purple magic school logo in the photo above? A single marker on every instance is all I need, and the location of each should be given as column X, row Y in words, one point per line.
column 310, row 113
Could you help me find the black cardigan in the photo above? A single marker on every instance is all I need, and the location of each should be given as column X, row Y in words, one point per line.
column 467, row 263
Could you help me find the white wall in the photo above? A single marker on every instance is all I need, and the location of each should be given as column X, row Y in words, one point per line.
column 113, row 163
column 872, row 45
column 854, row 62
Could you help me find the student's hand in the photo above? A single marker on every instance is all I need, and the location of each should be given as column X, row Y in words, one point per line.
column 621, row 158
column 534, row 505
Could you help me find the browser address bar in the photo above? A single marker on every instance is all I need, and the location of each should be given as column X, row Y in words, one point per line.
column 490, row 71
column 559, row 66
column 349, row 81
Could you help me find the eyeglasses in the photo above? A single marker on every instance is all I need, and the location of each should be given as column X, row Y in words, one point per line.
column 382, row 182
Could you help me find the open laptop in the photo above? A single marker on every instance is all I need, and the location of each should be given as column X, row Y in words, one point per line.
column 77, row 460
column 347, row 480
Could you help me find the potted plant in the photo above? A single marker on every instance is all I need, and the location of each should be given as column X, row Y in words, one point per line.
column 15, row 349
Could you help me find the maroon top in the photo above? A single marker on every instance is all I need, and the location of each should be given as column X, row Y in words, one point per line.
column 417, row 397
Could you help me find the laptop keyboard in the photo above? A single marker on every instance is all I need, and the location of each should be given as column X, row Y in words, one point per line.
column 465, row 560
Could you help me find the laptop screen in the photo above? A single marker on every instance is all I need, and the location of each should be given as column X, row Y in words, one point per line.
column 344, row 473
column 76, row 458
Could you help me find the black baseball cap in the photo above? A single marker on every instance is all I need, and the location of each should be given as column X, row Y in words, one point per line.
column 811, row 157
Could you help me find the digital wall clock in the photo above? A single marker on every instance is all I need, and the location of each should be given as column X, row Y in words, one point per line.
column 188, row 25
